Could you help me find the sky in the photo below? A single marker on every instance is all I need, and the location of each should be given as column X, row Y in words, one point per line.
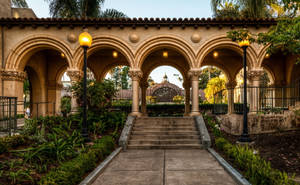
column 147, row 8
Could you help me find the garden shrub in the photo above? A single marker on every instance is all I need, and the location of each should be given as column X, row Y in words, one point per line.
column 65, row 105
column 12, row 142
column 71, row 172
column 255, row 169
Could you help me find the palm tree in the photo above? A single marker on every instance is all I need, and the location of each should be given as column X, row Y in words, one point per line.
column 81, row 9
column 19, row 3
column 248, row 8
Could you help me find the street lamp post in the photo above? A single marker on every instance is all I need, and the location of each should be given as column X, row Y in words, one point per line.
column 85, row 41
column 245, row 136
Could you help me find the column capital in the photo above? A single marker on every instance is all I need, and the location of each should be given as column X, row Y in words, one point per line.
column 75, row 75
column 231, row 84
column 135, row 75
column 194, row 74
column 12, row 75
column 255, row 74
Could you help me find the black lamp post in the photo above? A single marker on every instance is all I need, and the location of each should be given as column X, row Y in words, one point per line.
column 85, row 40
column 245, row 135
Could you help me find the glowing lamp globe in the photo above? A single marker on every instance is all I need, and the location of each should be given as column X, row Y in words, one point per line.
column 244, row 43
column 85, row 39
column 165, row 54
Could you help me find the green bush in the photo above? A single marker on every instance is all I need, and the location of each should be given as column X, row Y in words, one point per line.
column 72, row 172
column 65, row 105
column 255, row 169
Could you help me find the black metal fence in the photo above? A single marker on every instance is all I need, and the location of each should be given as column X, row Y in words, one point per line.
column 8, row 115
column 260, row 99
column 36, row 109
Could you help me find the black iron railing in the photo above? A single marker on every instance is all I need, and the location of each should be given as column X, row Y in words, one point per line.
column 260, row 99
column 8, row 115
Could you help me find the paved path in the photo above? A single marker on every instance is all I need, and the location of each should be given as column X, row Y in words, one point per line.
column 164, row 167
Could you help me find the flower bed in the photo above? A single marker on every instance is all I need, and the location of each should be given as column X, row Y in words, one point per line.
column 50, row 150
column 246, row 159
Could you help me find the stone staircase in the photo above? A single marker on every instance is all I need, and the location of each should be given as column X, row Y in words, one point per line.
column 164, row 133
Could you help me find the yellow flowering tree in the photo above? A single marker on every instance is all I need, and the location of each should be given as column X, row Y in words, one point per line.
column 178, row 99
column 215, row 85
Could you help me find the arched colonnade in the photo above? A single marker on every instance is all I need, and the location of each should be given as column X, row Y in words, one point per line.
column 43, row 59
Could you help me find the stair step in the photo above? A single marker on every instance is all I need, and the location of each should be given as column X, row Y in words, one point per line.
column 151, row 129
column 164, row 132
column 163, row 142
column 163, row 137
column 164, row 125
column 179, row 146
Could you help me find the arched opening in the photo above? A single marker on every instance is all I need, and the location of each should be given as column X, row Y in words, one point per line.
column 283, row 89
column 212, row 85
column 165, row 82
column 103, row 60
column 42, row 68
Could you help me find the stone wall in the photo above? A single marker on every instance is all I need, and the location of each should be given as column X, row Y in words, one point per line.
column 232, row 123
column 5, row 8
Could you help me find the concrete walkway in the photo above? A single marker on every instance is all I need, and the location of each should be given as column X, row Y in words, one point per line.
column 164, row 167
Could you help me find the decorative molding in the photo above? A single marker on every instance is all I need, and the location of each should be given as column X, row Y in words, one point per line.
column 72, row 38
column 255, row 75
column 134, row 38
column 194, row 74
column 75, row 75
column 10, row 75
column 195, row 38
column 134, row 22
column 135, row 75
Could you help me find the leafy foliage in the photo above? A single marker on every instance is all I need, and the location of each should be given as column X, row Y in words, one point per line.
column 256, row 169
column 65, row 105
column 228, row 9
column 71, row 172
column 99, row 94
column 81, row 9
column 244, row 8
column 214, row 85
column 19, row 3
column 284, row 37
column 240, row 35
column 207, row 74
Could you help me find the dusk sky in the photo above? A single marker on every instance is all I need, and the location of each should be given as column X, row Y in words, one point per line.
column 151, row 8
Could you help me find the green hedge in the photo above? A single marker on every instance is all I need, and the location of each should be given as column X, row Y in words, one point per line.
column 73, row 171
column 255, row 169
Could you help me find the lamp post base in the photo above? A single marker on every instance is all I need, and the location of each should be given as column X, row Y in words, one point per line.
column 244, row 139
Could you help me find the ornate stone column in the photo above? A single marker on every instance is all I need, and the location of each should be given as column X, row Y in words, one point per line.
column 13, row 82
column 187, row 91
column 144, row 87
column 136, row 76
column 230, row 90
column 194, row 76
column 254, row 76
column 75, row 76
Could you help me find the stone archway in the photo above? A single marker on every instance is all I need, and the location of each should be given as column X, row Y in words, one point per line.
column 40, row 58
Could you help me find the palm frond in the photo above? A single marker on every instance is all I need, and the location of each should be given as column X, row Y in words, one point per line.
column 19, row 3
column 112, row 13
